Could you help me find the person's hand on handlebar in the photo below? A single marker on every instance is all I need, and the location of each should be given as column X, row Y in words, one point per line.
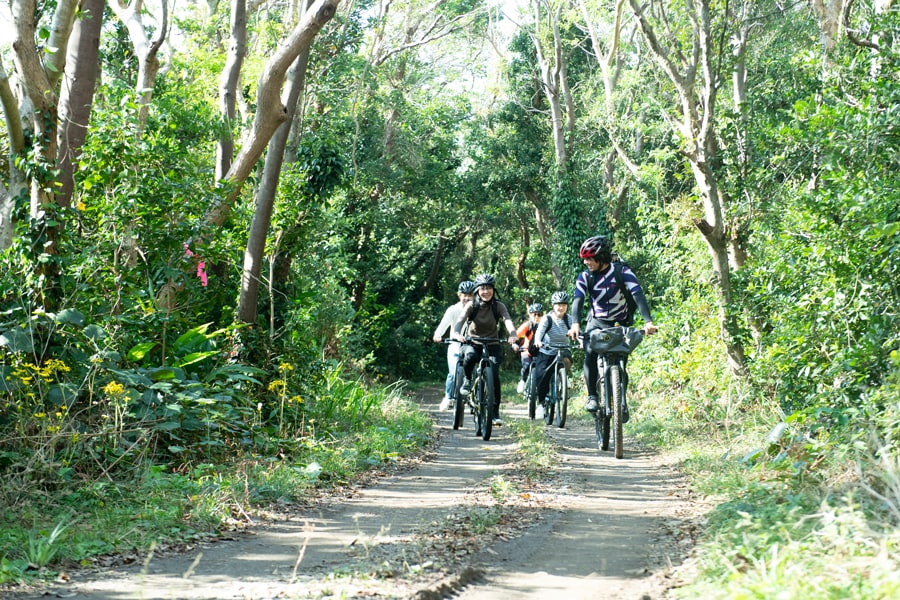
column 650, row 328
column 575, row 331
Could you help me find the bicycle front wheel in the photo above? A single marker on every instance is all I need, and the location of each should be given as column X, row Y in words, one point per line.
column 562, row 395
column 531, row 393
column 550, row 404
column 618, row 403
column 459, row 407
column 487, row 402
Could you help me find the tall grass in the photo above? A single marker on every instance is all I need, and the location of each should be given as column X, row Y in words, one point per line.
column 799, row 507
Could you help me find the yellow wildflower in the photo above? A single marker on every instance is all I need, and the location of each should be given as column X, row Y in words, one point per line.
column 114, row 388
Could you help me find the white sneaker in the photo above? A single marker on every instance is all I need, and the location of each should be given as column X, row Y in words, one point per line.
column 521, row 387
column 445, row 403
column 539, row 411
column 498, row 422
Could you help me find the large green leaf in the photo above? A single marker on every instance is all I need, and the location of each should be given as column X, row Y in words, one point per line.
column 195, row 357
column 71, row 316
column 139, row 351
column 17, row 340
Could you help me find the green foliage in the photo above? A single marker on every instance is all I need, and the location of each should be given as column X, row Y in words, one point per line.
column 822, row 286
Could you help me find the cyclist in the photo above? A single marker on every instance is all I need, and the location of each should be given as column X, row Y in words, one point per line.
column 464, row 293
column 482, row 319
column 553, row 329
column 607, row 306
column 524, row 336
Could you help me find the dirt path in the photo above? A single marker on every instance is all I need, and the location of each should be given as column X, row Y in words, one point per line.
column 607, row 528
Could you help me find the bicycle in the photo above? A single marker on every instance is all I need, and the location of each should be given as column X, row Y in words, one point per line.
column 557, row 403
column 481, row 395
column 612, row 345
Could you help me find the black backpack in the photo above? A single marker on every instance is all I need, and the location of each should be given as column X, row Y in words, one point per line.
column 532, row 348
column 618, row 265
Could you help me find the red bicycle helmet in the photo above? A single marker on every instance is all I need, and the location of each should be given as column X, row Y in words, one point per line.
column 593, row 246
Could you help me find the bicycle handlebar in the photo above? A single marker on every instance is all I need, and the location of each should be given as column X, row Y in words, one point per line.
column 484, row 340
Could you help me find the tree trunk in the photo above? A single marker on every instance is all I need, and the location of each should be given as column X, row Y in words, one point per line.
column 435, row 270
column 42, row 98
column 17, row 184
column 828, row 13
column 265, row 197
column 270, row 114
column 550, row 82
column 521, row 274
column 147, row 50
column 231, row 74
column 541, row 219
column 697, row 129
column 77, row 94
column 270, row 109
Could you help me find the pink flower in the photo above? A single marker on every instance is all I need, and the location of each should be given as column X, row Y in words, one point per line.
column 201, row 266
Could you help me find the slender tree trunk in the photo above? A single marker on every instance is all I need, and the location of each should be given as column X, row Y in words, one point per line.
column 550, row 82
column 77, row 94
column 435, row 271
column 541, row 220
column 231, row 74
column 270, row 114
column 265, row 197
column 696, row 102
column 147, row 50
column 17, row 184
column 521, row 273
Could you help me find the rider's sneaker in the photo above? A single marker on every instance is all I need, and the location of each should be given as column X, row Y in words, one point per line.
column 445, row 403
column 539, row 411
column 520, row 388
column 591, row 404
column 466, row 387
column 498, row 422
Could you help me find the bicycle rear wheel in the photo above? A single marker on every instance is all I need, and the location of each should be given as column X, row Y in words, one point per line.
column 618, row 400
column 562, row 395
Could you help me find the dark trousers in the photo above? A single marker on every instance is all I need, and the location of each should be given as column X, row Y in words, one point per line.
column 471, row 354
column 527, row 360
